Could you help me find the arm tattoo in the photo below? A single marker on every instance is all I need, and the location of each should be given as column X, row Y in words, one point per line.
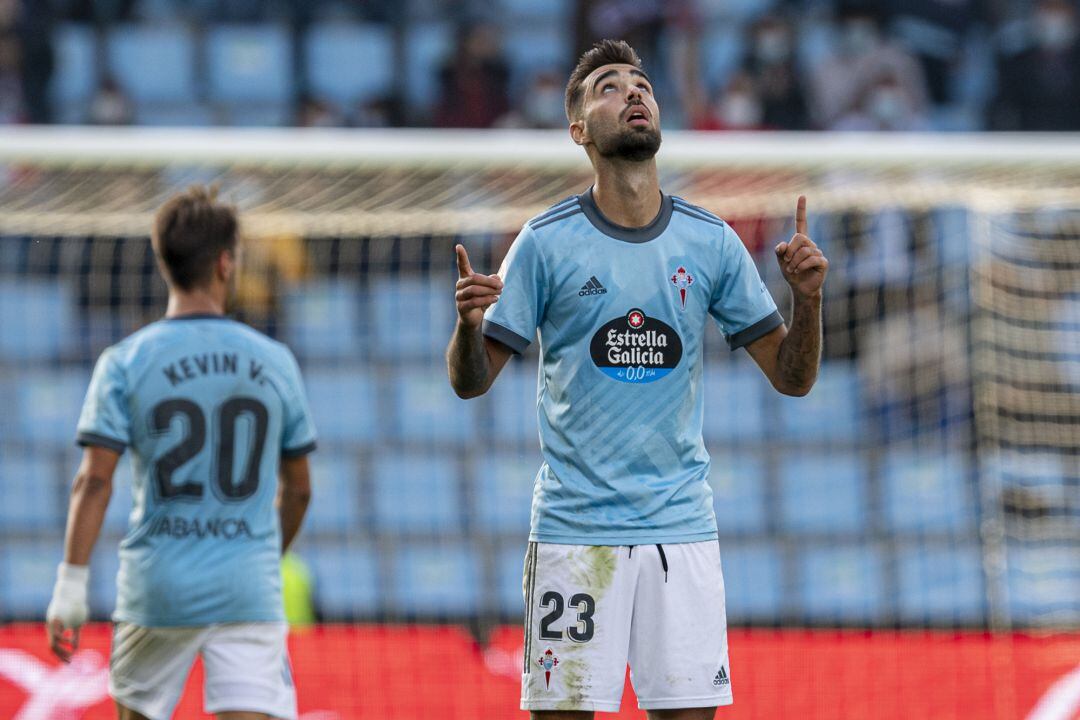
column 800, row 352
column 467, row 361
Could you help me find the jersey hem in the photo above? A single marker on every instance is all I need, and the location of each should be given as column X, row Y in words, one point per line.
column 653, row 539
column 506, row 336
column 89, row 439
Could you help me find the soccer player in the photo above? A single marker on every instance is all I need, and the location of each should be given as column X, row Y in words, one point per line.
column 214, row 413
column 623, row 562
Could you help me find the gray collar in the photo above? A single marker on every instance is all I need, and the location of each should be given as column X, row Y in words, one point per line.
column 627, row 234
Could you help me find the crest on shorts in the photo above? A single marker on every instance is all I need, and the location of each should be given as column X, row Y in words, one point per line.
column 549, row 662
column 682, row 280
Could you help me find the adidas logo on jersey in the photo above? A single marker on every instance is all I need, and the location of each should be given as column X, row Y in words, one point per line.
column 593, row 287
column 721, row 678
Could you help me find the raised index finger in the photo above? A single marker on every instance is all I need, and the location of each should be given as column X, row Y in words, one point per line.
column 800, row 216
column 463, row 267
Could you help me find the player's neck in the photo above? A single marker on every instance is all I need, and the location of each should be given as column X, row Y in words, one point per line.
column 627, row 193
column 193, row 302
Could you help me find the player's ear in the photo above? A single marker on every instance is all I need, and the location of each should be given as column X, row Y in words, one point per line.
column 578, row 133
column 226, row 265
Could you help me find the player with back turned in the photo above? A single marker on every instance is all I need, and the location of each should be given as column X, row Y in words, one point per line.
column 623, row 562
column 215, row 415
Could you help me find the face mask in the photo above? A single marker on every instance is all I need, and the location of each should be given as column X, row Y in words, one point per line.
column 772, row 47
column 1054, row 30
column 545, row 108
column 860, row 37
column 888, row 106
column 739, row 110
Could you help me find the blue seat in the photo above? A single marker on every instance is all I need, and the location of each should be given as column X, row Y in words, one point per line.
column 535, row 47
column 941, row 584
column 250, row 64
column 436, row 581
column 1044, row 583
column 153, row 63
column 738, row 485
column 325, row 319
column 841, row 584
column 428, row 409
column 74, row 78
column 823, row 493
column 722, row 51
column 47, row 405
column 27, row 575
column 38, row 320
column 34, row 500
column 829, row 412
column 510, row 571
column 336, row 504
column 175, row 116
column 502, row 500
column 276, row 115
column 346, row 579
column 428, row 306
column 348, row 63
column 427, row 46
column 417, row 494
column 550, row 11
column 513, row 404
column 343, row 404
column 734, row 401
column 927, row 491
column 753, row 581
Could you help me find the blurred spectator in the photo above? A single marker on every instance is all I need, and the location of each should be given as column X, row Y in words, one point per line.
column 473, row 82
column 12, row 103
column 541, row 106
column 317, row 113
column 1038, row 89
column 862, row 56
column 32, row 20
column 110, row 106
column 377, row 113
column 738, row 107
column 936, row 32
column 883, row 105
column 771, row 66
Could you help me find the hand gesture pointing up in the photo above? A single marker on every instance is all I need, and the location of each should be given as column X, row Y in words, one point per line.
column 475, row 292
column 801, row 261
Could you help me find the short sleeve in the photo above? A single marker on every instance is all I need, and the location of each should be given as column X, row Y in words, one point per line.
column 741, row 303
column 298, row 431
column 520, row 310
column 105, row 420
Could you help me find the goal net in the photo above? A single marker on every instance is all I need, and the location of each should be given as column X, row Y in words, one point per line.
column 927, row 490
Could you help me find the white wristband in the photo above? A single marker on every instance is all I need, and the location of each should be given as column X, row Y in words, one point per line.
column 69, row 596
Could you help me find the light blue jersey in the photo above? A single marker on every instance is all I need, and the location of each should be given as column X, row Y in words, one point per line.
column 208, row 407
column 621, row 313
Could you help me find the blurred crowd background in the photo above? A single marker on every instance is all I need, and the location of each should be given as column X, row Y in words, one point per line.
column 905, row 65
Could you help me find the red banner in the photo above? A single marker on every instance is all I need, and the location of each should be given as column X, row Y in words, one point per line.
column 420, row 672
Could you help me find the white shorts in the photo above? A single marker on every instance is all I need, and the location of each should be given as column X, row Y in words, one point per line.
column 590, row 609
column 246, row 664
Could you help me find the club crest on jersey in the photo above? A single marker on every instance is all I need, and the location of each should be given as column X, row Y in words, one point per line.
column 682, row 280
column 549, row 662
column 634, row 348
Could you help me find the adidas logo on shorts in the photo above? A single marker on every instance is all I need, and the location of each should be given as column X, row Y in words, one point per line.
column 721, row 678
column 593, row 287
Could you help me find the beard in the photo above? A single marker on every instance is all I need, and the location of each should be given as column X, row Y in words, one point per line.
column 633, row 144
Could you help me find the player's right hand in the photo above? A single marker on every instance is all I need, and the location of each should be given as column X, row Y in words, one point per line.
column 475, row 292
column 68, row 610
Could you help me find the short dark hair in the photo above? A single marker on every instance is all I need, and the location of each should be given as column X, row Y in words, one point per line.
column 191, row 230
column 605, row 52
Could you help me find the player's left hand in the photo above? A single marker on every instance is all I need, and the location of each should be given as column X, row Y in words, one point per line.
column 801, row 261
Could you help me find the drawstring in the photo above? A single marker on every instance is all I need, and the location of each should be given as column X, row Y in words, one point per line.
column 663, row 559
